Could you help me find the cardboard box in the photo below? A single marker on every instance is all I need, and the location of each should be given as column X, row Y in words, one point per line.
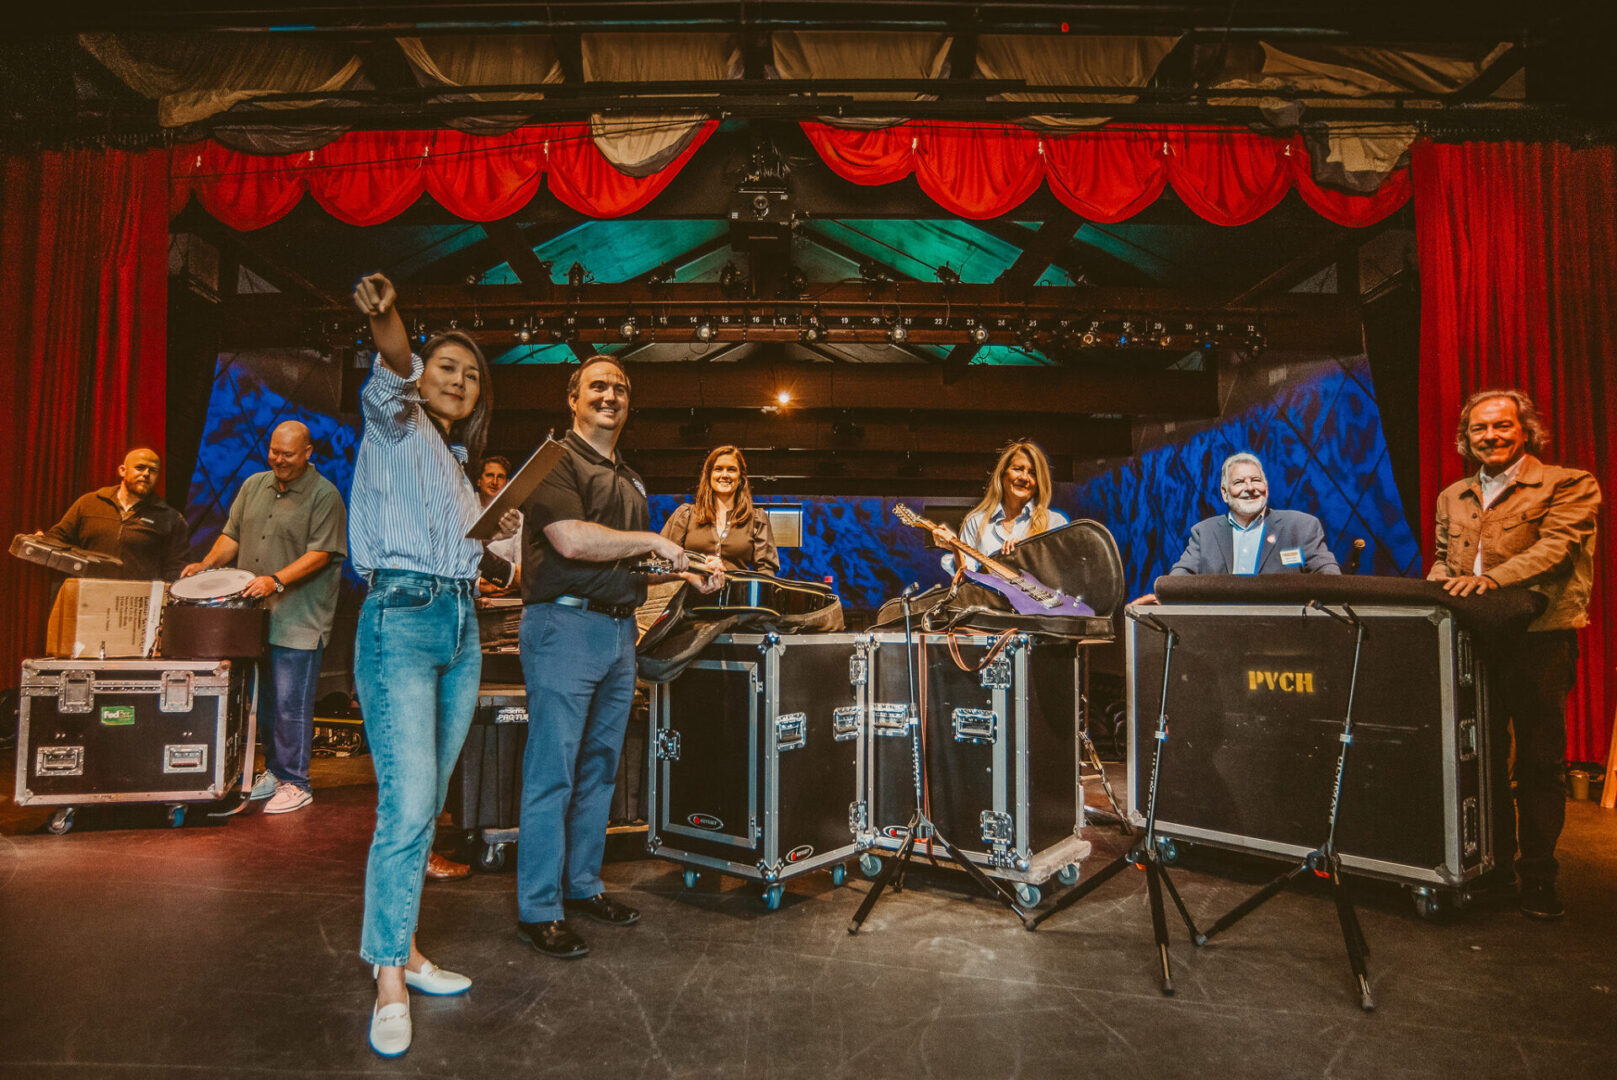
column 96, row 617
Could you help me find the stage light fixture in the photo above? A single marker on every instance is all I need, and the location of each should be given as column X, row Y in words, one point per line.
column 784, row 397
column 897, row 332
column 978, row 334
column 576, row 276
column 730, row 278
column 947, row 275
column 705, row 331
column 872, row 273
column 628, row 329
column 657, row 278
column 794, row 283
column 1089, row 339
column 813, row 330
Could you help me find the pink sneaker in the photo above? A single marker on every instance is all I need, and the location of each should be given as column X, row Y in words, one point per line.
column 287, row 798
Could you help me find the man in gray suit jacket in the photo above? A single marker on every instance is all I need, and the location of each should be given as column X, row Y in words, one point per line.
column 1253, row 538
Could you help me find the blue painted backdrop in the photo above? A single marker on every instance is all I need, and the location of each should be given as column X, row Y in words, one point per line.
column 1320, row 440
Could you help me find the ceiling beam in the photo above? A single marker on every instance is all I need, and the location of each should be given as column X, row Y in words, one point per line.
column 1075, row 264
column 1333, row 247
column 1039, row 251
column 247, row 249
column 511, row 242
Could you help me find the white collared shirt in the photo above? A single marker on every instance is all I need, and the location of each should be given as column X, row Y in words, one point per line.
column 1493, row 487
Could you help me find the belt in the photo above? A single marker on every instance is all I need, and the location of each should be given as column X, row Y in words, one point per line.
column 617, row 611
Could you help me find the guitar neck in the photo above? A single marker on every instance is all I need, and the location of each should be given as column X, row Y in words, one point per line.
column 960, row 547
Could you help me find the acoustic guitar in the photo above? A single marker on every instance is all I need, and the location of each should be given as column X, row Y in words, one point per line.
column 1027, row 595
column 747, row 591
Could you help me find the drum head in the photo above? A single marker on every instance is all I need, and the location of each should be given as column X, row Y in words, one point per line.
column 211, row 585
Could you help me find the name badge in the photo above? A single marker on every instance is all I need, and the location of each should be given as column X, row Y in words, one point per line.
column 1291, row 556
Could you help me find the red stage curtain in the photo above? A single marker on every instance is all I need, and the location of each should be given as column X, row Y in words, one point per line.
column 581, row 177
column 84, row 241
column 368, row 177
column 1518, row 266
column 1227, row 176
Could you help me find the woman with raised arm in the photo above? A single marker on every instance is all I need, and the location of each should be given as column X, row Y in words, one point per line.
column 416, row 654
column 723, row 521
column 1015, row 506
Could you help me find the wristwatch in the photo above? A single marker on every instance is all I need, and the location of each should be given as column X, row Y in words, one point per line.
column 280, row 586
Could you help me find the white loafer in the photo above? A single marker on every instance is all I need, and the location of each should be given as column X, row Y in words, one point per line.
column 390, row 1029
column 432, row 979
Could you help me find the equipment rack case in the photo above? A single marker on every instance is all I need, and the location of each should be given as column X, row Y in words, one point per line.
column 755, row 760
column 1255, row 710
column 1001, row 751
column 131, row 731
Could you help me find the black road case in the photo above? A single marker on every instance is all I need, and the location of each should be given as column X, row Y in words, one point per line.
column 485, row 790
column 1001, row 752
column 131, row 731
column 1255, row 707
column 756, row 757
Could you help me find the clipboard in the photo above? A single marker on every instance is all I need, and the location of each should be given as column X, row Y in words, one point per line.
column 517, row 491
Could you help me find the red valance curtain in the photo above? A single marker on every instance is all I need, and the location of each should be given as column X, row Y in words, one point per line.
column 1518, row 266
column 368, row 177
column 1228, row 176
column 84, row 306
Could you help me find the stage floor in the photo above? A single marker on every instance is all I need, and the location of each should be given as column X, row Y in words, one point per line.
column 215, row 950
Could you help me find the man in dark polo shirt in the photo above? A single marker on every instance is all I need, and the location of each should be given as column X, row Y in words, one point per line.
column 289, row 527
column 584, row 527
column 129, row 522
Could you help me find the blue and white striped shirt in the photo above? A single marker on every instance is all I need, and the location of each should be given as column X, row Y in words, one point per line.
column 411, row 501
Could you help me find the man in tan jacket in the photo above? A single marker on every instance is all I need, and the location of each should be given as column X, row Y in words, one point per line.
column 1518, row 521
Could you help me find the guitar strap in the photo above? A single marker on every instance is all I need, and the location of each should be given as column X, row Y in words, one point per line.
column 994, row 649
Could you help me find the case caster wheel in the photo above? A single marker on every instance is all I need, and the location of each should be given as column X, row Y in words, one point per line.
column 839, row 874
column 1428, row 903
column 1028, row 895
column 491, row 857
column 176, row 815
column 1068, row 875
column 869, row 865
column 1168, row 850
column 772, row 897
column 691, row 878
column 61, row 821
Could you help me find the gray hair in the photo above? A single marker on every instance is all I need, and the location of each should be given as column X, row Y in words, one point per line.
column 1245, row 457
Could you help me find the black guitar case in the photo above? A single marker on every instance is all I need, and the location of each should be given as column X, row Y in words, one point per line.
column 1081, row 559
column 680, row 634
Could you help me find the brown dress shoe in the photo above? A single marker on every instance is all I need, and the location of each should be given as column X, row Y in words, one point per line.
column 442, row 869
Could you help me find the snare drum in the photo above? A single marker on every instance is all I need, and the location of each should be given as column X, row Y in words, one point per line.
column 207, row 617
column 213, row 588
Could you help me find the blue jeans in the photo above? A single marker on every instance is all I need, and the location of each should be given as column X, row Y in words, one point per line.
column 416, row 668
column 579, row 669
column 287, row 679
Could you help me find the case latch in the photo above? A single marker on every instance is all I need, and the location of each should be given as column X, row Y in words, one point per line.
column 1468, row 740
column 175, row 694
column 667, row 746
column 791, row 732
column 76, row 692
column 858, row 668
column 845, row 723
column 975, row 725
column 1464, row 659
column 185, row 758
column 996, row 675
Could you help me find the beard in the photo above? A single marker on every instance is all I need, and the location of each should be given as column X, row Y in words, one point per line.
column 1251, row 507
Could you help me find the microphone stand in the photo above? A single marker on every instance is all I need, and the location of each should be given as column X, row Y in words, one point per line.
column 920, row 826
column 1324, row 861
column 1149, row 853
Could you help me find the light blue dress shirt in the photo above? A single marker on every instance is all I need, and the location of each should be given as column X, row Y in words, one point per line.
column 1248, row 543
column 990, row 538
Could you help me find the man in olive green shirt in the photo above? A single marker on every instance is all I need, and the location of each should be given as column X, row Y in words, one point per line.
column 289, row 527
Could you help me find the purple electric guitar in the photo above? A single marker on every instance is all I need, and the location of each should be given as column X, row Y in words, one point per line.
column 1025, row 592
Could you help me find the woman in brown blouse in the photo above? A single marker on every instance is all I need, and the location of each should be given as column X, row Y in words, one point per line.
column 722, row 520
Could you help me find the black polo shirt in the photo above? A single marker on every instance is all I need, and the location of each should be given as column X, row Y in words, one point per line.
column 584, row 486
column 152, row 539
